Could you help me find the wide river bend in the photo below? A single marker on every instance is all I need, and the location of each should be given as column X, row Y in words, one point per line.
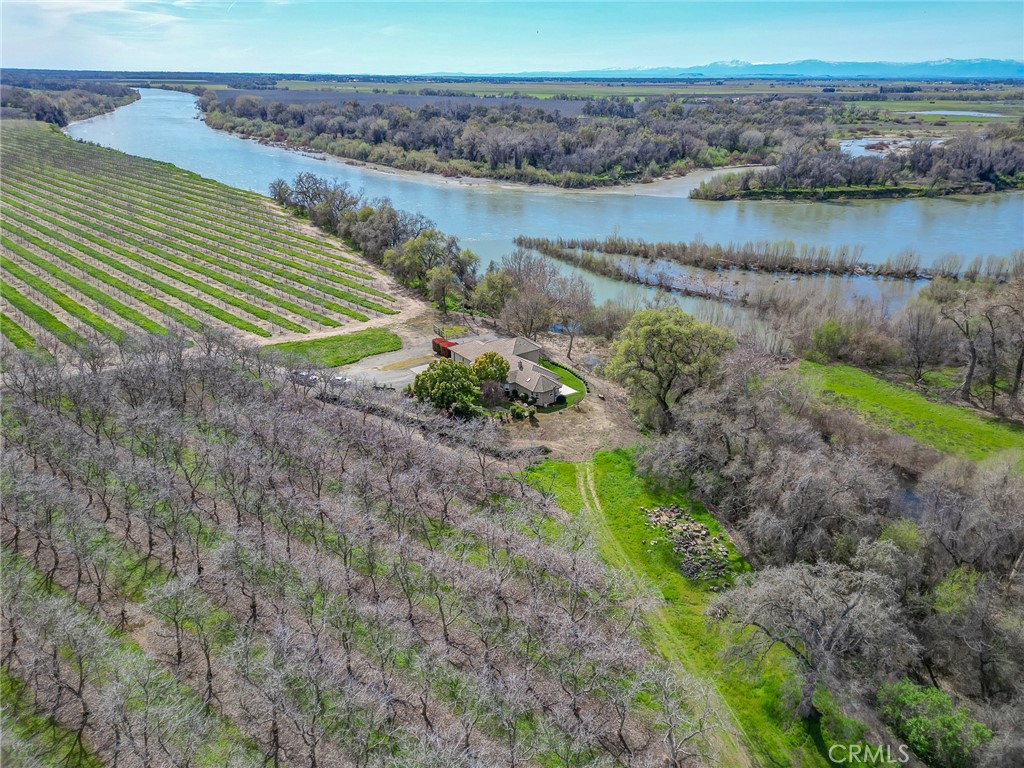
column 486, row 216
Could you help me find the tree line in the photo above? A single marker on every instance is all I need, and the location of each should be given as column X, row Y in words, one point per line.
column 62, row 100
column 526, row 292
column 614, row 140
column 968, row 163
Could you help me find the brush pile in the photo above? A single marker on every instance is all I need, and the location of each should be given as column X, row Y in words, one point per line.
column 703, row 557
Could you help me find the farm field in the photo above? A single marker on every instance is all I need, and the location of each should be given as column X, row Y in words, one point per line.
column 97, row 242
column 553, row 88
column 950, row 429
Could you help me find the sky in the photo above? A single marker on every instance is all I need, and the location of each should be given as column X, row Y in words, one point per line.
column 329, row 36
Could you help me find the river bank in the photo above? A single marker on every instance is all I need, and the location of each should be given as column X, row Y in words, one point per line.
column 897, row 192
column 662, row 186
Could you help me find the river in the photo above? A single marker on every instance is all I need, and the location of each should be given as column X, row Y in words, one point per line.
column 486, row 216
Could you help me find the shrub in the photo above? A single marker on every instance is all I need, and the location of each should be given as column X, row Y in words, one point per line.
column 829, row 340
column 871, row 348
column 941, row 733
column 446, row 384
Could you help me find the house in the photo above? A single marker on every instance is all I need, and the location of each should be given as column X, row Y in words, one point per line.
column 510, row 349
column 526, row 376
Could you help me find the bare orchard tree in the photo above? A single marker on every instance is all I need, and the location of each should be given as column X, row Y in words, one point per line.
column 687, row 716
column 837, row 623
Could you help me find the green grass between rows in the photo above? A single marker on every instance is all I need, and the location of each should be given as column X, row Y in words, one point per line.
column 254, row 242
column 160, row 217
column 239, row 287
column 100, row 297
column 343, row 349
column 98, row 274
column 15, row 334
column 950, row 429
column 24, row 725
column 40, row 316
column 170, row 290
column 72, row 307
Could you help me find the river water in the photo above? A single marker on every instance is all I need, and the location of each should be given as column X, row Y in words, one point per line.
column 486, row 216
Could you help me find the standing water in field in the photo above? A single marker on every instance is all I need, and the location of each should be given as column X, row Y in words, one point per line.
column 486, row 216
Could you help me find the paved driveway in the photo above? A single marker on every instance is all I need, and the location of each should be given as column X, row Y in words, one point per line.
column 395, row 369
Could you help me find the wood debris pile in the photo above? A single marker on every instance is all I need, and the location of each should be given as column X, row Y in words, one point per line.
column 703, row 556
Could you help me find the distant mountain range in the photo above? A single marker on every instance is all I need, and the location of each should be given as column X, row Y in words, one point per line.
column 923, row 70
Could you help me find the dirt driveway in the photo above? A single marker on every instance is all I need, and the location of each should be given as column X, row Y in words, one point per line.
column 593, row 424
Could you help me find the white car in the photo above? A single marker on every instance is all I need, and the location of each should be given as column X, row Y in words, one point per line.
column 304, row 378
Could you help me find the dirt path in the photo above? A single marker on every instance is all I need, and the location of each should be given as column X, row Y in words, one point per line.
column 408, row 323
column 575, row 433
column 728, row 740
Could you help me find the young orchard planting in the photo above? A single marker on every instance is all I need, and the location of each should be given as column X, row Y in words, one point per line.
column 96, row 243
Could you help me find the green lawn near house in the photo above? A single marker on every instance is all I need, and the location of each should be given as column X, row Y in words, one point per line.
column 569, row 378
column 343, row 349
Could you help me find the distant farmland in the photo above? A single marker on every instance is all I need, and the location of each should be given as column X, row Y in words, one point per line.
column 94, row 241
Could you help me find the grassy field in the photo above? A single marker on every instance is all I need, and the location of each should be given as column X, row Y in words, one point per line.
column 609, row 492
column 552, row 87
column 95, row 239
column 947, row 428
column 342, row 350
column 549, row 88
column 1005, row 108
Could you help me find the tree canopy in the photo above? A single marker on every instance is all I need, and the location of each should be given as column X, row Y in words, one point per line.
column 833, row 619
column 447, row 384
column 665, row 354
column 490, row 366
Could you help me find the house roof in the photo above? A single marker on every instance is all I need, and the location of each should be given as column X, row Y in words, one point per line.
column 507, row 348
column 533, row 378
column 524, row 374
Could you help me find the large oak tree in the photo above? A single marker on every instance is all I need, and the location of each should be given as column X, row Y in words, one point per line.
column 665, row 354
